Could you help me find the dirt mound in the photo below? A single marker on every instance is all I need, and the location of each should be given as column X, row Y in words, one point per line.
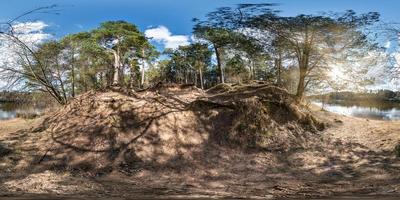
column 162, row 87
column 106, row 131
column 220, row 88
column 265, row 116
column 168, row 127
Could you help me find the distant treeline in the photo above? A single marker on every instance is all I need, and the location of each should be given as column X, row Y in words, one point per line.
column 25, row 97
column 380, row 95
column 13, row 96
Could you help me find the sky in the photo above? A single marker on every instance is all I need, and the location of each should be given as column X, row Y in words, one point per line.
column 168, row 22
column 173, row 17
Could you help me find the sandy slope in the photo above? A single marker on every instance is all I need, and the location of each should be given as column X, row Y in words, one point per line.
column 352, row 156
column 374, row 134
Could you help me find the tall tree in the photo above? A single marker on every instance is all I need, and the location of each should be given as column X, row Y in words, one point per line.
column 121, row 38
column 310, row 39
column 198, row 57
column 219, row 38
column 313, row 39
column 225, row 28
column 188, row 63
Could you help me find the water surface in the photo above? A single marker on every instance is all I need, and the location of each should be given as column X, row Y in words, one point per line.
column 364, row 109
column 12, row 110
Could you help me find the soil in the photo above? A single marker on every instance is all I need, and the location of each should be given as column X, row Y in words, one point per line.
column 181, row 143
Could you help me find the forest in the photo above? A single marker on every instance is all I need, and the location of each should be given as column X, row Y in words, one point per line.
column 232, row 45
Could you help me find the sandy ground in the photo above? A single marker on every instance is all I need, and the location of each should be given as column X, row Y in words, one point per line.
column 354, row 157
column 378, row 135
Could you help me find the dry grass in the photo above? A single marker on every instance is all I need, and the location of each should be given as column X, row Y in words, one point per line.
column 177, row 141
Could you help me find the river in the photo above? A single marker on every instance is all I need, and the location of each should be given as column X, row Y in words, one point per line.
column 364, row 109
column 13, row 110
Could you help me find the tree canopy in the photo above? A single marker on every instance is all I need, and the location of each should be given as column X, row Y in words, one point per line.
column 232, row 44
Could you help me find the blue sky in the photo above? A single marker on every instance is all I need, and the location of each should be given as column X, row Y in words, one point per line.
column 176, row 15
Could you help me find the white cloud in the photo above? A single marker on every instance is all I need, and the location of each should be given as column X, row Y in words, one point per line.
column 30, row 33
column 387, row 45
column 195, row 39
column 29, row 27
column 162, row 35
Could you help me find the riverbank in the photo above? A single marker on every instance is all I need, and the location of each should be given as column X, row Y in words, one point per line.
column 379, row 135
column 10, row 126
column 351, row 157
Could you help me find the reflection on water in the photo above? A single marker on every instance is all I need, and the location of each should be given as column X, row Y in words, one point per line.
column 12, row 110
column 370, row 110
column 6, row 114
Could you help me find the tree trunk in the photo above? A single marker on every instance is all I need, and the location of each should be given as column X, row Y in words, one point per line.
column 143, row 70
column 142, row 76
column 201, row 79
column 278, row 64
column 64, row 93
column 195, row 79
column 186, row 77
column 301, row 85
column 73, row 75
column 73, row 81
column 220, row 71
column 300, row 89
column 303, row 57
column 279, row 77
column 132, row 77
column 121, row 75
column 117, row 66
column 101, row 79
column 253, row 70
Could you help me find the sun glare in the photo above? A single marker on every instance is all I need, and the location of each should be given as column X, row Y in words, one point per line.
column 336, row 73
